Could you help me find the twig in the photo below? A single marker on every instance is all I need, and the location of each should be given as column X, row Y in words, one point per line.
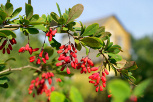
column 20, row 68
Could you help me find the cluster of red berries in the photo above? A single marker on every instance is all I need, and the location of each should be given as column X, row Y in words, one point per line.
column 27, row 48
column 68, row 55
column 51, row 33
column 97, row 78
column 85, row 65
column 40, row 86
column 8, row 46
column 32, row 58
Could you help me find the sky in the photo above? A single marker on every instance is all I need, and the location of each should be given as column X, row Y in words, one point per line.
column 135, row 15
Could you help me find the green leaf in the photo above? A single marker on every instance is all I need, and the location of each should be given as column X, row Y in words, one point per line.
column 3, row 80
column 1, row 21
column 120, row 90
column 2, row 35
column 34, row 18
column 65, row 16
column 114, row 49
column 105, row 35
column 49, row 50
column 40, row 27
column 32, row 31
column 3, row 15
column 10, row 59
column 44, row 16
column 87, row 50
column 91, row 29
column 5, row 85
column 16, row 12
column 75, row 12
column 57, row 97
column 59, row 11
column 8, row 8
column 28, row 11
column 62, row 20
column 78, row 45
column 140, row 88
column 55, row 44
column 8, row 32
column 115, row 56
column 55, row 16
column 99, row 31
column 92, row 42
column 75, row 95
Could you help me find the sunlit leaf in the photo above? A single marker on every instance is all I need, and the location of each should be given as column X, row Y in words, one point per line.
column 140, row 88
column 8, row 8
column 16, row 12
column 28, row 11
column 75, row 12
column 92, row 42
column 75, row 95
column 91, row 29
column 120, row 90
column 57, row 97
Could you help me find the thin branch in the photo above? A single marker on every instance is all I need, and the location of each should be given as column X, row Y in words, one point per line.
column 20, row 68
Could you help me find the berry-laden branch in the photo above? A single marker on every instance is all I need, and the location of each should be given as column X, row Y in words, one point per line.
column 20, row 68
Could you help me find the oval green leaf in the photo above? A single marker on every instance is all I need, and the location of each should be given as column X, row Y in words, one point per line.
column 16, row 12
column 91, row 29
column 8, row 8
column 120, row 90
column 57, row 97
column 55, row 16
column 34, row 18
column 75, row 95
column 92, row 42
column 28, row 10
column 75, row 12
column 32, row 31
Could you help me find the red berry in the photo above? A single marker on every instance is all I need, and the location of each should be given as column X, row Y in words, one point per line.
column 50, row 81
column 94, row 68
column 8, row 51
column 97, row 88
column 38, row 61
column 40, row 55
column 101, row 88
column 43, row 59
column 36, row 49
column 46, row 56
column 22, row 49
column 30, row 50
column 109, row 96
column 4, row 51
column 10, row 46
column 106, row 72
column 68, row 70
column 27, row 47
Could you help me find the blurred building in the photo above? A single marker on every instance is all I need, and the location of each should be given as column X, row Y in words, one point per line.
column 119, row 36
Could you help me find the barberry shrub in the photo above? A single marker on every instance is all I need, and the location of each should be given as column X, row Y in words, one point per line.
column 91, row 37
